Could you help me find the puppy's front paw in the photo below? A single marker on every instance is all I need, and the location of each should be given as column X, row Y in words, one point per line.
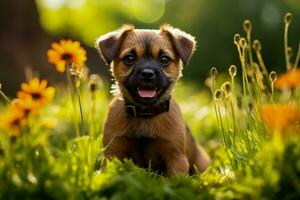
column 177, row 165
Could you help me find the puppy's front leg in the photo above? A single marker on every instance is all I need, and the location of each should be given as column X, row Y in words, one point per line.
column 175, row 159
column 115, row 147
column 177, row 164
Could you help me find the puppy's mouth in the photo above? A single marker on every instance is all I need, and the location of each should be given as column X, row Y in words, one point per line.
column 147, row 93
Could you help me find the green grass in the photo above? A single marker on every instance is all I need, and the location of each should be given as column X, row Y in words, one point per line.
column 52, row 163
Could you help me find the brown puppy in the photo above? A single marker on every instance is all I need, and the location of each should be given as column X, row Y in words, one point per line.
column 144, row 123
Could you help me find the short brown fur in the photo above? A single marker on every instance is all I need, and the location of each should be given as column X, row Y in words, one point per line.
column 164, row 141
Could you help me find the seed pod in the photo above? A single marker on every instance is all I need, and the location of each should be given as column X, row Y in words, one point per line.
column 218, row 94
column 247, row 25
column 290, row 51
column 232, row 70
column 226, row 87
column 94, row 82
column 256, row 45
column 236, row 39
column 243, row 43
column 76, row 72
column 213, row 72
column 288, row 18
column 273, row 76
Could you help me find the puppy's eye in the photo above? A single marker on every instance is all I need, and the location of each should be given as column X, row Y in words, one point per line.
column 165, row 60
column 129, row 59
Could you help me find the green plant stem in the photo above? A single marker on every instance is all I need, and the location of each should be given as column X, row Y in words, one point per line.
column 250, row 49
column 6, row 99
column 262, row 64
column 272, row 91
column 81, row 111
column 213, row 84
column 243, row 75
column 297, row 58
column 243, row 62
column 287, row 59
column 93, row 97
column 221, row 126
column 233, row 85
column 258, row 90
column 70, row 86
column 234, row 124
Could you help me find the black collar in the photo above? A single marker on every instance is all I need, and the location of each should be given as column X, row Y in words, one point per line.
column 151, row 111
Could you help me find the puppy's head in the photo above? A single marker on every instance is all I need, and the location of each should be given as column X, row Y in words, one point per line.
column 146, row 63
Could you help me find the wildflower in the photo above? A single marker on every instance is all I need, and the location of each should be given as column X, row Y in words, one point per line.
column 280, row 117
column 26, row 105
column 236, row 39
column 213, row 72
column 256, row 45
column 218, row 94
column 37, row 90
column 247, row 25
column 243, row 43
column 232, row 70
column 66, row 52
column 273, row 76
column 13, row 119
column 226, row 87
column 94, row 82
column 76, row 71
column 287, row 18
column 290, row 79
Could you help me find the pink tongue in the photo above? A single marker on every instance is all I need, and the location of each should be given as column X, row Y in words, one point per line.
column 146, row 93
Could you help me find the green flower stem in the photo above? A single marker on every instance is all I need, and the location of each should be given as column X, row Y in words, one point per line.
column 71, row 88
column 83, row 131
column 297, row 58
column 262, row 65
column 287, row 59
column 6, row 99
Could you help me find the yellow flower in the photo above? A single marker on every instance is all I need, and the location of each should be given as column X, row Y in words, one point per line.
column 66, row 52
column 13, row 119
column 27, row 105
column 290, row 79
column 280, row 117
column 38, row 90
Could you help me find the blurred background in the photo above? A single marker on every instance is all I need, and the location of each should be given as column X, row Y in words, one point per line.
column 28, row 28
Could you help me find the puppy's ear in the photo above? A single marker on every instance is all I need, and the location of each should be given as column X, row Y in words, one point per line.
column 109, row 44
column 184, row 43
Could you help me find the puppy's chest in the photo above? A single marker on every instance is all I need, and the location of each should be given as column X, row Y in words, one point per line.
column 145, row 128
column 144, row 153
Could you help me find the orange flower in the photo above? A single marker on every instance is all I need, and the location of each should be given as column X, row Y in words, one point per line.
column 280, row 117
column 290, row 79
column 66, row 52
column 37, row 90
column 13, row 119
column 27, row 105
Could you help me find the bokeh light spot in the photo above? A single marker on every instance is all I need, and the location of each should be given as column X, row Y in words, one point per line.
column 148, row 11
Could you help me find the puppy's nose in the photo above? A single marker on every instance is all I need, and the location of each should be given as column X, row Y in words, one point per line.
column 148, row 74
